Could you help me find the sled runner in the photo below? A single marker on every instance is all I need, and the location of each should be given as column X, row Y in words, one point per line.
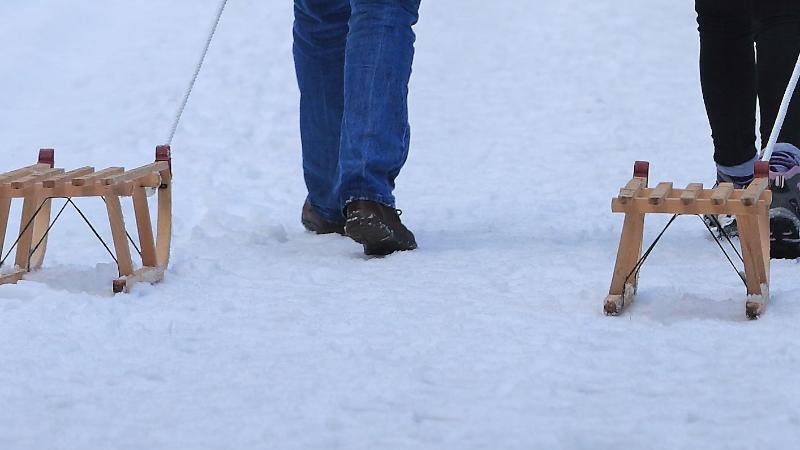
column 750, row 206
column 37, row 185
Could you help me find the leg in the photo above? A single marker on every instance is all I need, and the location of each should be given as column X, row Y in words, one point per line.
column 159, row 250
column 5, row 205
column 40, row 225
column 751, row 239
column 164, row 218
column 756, row 263
column 623, row 289
column 117, row 222
column 145, row 227
column 375, row 130
column 728, row 77
column 30, row 206
column 778, row 42
column 320, row 34
column 5, row 209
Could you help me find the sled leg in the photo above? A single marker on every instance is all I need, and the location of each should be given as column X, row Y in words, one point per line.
column 151, row 272
column 5, row 210
column 623, row 290
column 164, row 219
column 26, row 226
column 145, row 227
column 756, row 264
column 155, row 253
column 754, row 309
column 763, row 229
column 42, row 220
column 121, row 247
column 40, row 224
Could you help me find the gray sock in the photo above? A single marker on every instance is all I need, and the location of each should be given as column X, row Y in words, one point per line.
column 740, row 175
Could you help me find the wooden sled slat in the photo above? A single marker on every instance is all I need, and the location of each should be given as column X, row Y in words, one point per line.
column 753, row 192
column 691, row 192
column 660, row 193
column 19, row 173
column 721, row 194
column 145, row 176
column 63, row 178
column 632, row 189
column 134, row 174
column 95, row 176
column 31, row 179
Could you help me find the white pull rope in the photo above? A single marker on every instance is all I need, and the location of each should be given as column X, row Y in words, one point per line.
column 196, row 72
column 787, row 99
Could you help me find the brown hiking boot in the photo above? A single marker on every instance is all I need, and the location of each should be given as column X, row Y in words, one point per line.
column 377, row 228
column 316, row 224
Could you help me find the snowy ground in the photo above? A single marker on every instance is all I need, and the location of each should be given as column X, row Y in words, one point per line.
column 527, row 117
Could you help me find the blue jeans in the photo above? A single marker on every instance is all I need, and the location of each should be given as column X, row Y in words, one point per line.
column 353, row 62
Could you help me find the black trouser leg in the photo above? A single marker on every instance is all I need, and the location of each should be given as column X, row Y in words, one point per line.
column 728, row 76
column 778, row 43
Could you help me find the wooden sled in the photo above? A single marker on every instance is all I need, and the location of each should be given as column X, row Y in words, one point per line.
column 40, row 183
column 750, row 206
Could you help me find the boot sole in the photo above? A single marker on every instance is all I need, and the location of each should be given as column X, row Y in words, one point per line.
column 375, row 236
column 784, row 235
column 312, row 227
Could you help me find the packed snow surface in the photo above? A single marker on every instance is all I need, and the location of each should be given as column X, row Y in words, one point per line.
column 527, row 117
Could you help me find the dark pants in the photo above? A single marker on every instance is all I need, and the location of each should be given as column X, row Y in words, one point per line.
column 732, row 79
column 353, row 60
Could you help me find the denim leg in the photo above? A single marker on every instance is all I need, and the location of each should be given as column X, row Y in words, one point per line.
column 320, row 35
column 375, row 130
column 728, row 77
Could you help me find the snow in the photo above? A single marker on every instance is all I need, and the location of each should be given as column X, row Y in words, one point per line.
column 526, row 116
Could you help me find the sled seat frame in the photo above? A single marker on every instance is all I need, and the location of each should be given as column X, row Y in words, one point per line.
column 750, row 206
column 37, row 185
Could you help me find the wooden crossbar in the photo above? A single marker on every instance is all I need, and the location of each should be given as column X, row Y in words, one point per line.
column 693, row 199
column 39, row 183
column 750, row 206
